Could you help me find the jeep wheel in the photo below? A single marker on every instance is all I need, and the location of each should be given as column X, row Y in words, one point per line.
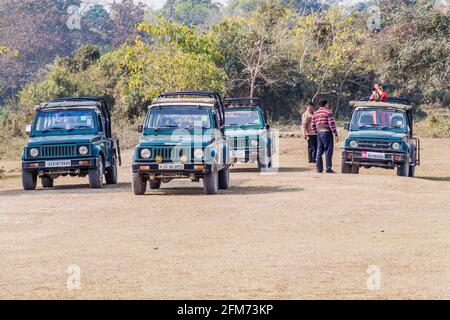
column 345, row 168
column 266, row 165
column 412, row 171
column 355, row 169
column 111, row 173
column 96, row 175
column 155, row 184
column 47, row 182
column 224, row 178
column 403, row 170
column 139, row 184
column 29, row 180
column 211, row 181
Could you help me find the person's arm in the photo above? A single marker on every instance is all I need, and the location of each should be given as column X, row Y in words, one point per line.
column 305, row 122
column 314, row 125
column 332, row 124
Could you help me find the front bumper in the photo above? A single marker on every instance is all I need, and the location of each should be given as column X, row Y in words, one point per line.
column 82, row 164
column 391, row 159
column 154, row 169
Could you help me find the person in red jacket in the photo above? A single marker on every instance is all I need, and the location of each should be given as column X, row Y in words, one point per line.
column 381, row 93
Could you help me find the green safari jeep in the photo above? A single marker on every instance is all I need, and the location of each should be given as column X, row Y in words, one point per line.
column 248, row 133
column 70, row 136
column 182, row 138
column 381, row 135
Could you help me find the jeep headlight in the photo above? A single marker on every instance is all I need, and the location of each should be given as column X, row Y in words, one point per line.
column 34, row 152
column 396, row 145
column 198, row 153
column 146, row 153
column 353, row 144
column 254, row 143
column 83, row 150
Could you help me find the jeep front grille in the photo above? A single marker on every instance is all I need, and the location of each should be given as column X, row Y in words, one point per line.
column 240, row 143
column 170, row 153
column 58, row 151
column 374, row 145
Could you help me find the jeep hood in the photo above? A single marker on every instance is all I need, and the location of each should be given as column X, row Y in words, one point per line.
column 85, row 138
column 376, row 134
column 169, row 139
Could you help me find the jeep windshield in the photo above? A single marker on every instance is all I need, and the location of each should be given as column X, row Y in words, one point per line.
column 243, row 118
column 379, row 119
column 174, row 117
column 65, row 120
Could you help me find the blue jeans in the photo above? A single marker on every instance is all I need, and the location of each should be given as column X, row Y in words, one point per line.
column 325, row 144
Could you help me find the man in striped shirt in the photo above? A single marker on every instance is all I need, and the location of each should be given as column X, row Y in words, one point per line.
column 325, row 127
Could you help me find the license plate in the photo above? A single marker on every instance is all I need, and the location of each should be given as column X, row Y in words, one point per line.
column 239, row 154
column 171, row 166
column 58, row 163
column 373, row 155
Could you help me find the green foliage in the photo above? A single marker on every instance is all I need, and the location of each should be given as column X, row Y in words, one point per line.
column 201, row 13
column 167, row 57
column 415, row 60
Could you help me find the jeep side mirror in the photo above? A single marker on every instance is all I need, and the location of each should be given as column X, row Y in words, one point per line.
column 28, row 129
column 347, row 126
column 140, row 128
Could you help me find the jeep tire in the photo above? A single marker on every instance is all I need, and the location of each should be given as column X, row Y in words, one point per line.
column 155, row 184
column 355, row 169
column 139, row 184
column 412, row 171
column 111, row 173
column 211, row 181
column 29, row 180
column 224, row 178
column 47, row 182
column 403, row 170
column 345, row 168
column 96, row 175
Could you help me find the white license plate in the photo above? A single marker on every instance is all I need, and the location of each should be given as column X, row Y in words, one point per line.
column 171, row 166
column 239, row 154
column 373, row 155
column 58, row 163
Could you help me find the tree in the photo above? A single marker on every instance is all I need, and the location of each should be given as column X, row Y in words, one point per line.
column 200, row 13
column 254, row 45
column 414, row 57
column 331, row 54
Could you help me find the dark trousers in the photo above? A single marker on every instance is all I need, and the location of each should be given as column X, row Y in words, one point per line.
column 325, row 144
column 312, row 148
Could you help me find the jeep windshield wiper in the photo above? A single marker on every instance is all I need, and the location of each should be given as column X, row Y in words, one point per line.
column 79, row 127
column 53, row 129
column 165, row 127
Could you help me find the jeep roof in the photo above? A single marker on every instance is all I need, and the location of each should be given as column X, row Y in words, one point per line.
column 375, row 104
column 77, row 102
column 189, row 97
column 242, row 102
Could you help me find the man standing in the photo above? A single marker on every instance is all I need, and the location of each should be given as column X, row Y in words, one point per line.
column 309, row 134
column 325, row 127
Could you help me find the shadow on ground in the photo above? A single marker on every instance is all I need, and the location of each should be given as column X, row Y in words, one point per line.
column 282, row 170
column 444, row 179
column 69, row 189
column 234, row 190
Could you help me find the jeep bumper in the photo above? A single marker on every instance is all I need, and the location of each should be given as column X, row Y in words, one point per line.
column 155, row 169
column 390, row 159
column 57, row 165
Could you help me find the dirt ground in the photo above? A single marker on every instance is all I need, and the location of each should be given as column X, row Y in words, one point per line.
column 293, row 235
